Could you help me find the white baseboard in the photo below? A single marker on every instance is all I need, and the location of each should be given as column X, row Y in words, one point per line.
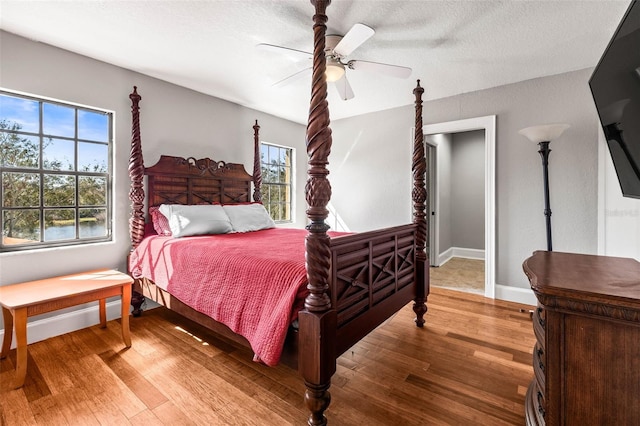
column 67, row 322
column 445, row 256
column 465, row 253
column 516, row 294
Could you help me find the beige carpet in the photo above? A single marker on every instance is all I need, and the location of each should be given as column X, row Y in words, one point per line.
column 459, row 274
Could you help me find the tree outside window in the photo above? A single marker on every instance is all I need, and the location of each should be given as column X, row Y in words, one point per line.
column 55, row 168
column 277, row 180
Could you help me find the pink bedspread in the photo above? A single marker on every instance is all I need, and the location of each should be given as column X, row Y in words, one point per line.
column 254, row 283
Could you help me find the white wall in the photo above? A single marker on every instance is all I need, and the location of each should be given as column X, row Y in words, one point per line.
column 368, row 145
column 619, row 217
column 467, row 175
column 174, row 121
column 370, row 169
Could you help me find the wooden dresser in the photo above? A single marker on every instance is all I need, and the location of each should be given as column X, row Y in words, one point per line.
column 587, row 324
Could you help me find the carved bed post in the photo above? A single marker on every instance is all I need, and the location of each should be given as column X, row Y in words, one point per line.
column 136, row 193
column 317, row 321
column 419, row 195
column 136, row 174
column 257, row 170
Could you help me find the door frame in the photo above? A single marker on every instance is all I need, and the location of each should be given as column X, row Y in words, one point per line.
column 431, row 152
column 488, row 124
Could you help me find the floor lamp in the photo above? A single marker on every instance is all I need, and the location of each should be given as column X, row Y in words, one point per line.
column 542, row 135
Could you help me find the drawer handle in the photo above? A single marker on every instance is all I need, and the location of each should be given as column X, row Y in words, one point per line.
column 540, row 311
column 540, row 407
column 540, row 353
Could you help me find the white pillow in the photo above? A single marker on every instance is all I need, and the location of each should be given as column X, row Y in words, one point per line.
column 248, row 217
column 196, row 220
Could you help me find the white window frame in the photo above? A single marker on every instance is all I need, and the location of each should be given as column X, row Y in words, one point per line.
column 76, row 174
column 266, row 183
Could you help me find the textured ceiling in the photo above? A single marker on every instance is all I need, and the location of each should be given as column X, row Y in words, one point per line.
column 453, row 47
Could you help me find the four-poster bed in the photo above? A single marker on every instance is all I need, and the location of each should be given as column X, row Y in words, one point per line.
column 350, row 284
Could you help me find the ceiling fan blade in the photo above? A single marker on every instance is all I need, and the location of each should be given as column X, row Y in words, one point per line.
column 357, row 35
column 293, row 77
column 386, row 69
column 293, row 53
column 344, row 88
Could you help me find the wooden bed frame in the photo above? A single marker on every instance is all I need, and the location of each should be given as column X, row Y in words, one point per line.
column 356, row 282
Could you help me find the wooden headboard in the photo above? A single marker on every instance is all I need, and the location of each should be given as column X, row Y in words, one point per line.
column 178, row 180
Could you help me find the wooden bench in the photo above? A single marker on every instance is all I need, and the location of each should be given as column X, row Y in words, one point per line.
column 20, row 301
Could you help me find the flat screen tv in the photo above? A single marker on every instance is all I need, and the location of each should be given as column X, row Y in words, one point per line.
column 615, row 86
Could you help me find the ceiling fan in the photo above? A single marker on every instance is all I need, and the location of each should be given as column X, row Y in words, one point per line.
column 337, row 49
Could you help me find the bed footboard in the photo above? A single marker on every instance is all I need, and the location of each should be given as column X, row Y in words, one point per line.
column 373, row 274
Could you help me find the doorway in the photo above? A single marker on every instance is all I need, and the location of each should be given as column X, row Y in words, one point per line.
column 487, row 124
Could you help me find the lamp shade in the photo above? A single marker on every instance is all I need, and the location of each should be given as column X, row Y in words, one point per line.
column 545, row 132
column 334, row 71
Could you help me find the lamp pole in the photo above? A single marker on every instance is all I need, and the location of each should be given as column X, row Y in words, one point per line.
column 544, row 154
column 542, row 135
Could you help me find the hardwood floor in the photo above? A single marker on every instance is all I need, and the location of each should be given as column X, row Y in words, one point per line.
column 470, row 364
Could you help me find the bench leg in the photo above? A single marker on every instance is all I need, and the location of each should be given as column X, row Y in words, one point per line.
column 126, row 302
column 21, row 346
column 103, row 313
column 7, row 317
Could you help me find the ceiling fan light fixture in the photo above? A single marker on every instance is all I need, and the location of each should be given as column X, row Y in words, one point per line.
column 334, row 71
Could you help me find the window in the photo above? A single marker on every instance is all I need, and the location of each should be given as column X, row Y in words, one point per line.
column 55, row 173
column 277, row 180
